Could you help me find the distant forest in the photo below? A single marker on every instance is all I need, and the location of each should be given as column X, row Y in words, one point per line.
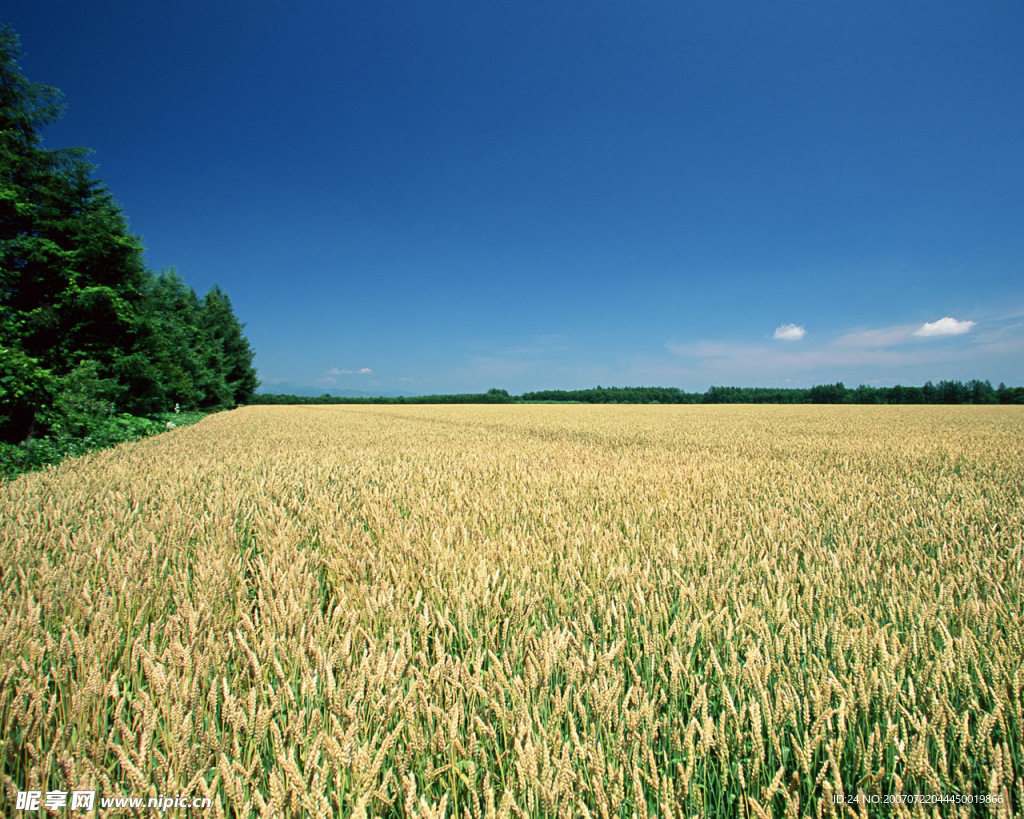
column 94, row 347
column 945, row 392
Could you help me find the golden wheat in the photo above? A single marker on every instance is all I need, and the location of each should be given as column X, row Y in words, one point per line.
column 524, row 611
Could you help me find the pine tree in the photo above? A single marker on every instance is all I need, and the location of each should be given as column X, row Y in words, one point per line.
column 218, row 318
column 27, row 173
column 71, row 274
column 85, row 329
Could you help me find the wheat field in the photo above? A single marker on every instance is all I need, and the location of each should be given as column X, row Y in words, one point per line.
column 526, row 611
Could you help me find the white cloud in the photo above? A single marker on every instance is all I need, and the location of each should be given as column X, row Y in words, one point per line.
column 881, row 354
column 904, row 353
column 946, row 326
column 759, row 360
column 339, row 371
column 790, row 332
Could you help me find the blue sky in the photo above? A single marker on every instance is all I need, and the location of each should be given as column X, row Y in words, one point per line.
column 453, row 196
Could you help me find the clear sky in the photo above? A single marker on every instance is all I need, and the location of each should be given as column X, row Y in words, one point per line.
column 449, row 196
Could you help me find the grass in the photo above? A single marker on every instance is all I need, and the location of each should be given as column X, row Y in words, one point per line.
column 524, row 610
column 37, row 453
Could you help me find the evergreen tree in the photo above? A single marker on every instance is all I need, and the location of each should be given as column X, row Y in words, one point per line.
column 171, row 355
column 85, row 329
column 225, row 331
column 27, row 173
column 26, row 392
column 71, row 274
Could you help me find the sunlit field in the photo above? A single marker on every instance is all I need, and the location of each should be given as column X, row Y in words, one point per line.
column 526, row 611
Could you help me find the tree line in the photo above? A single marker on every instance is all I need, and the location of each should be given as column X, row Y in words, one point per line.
column 945, row 392
column 492, row 396
column 89, row 335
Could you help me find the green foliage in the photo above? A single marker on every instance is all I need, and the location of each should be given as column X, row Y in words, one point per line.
column 828, row 393
column 974, row 392
column 224, row 332
column 491, row 397
column 84, row 400
column 26, row 390
column 90, row 337
column 614, row 395
column 98, row 433
column 181, row 366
